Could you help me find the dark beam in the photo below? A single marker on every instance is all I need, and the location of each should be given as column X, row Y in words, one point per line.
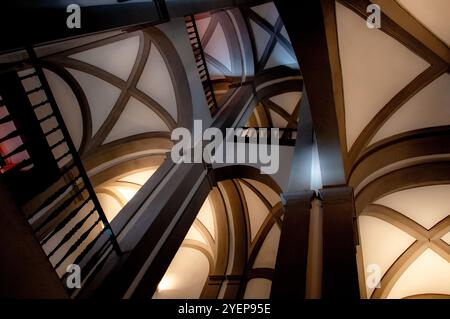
column 339, row 272
column 37, row 22
column 290, row 271
column 433, row 173
column 44, row 21
column 408, row 145
column 300, row 177
column 307, row 33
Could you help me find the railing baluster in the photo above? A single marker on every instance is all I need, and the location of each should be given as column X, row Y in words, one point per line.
column 77, row 243
column 71, row 147
column 199, row 55
column 56, row 194
column 57, row 212
column 62, row 224
column 10, row 136
column 71, row 233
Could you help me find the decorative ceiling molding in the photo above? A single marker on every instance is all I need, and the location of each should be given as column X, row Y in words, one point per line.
column 407, row 38
column 148, row 143
column 123, row 169
column 419, row 83
column 98, row 157
column 424, row 239
column 278, row 81
column 202, row 248
column 424, row 142
column 226, row 26
column 82, row 101
column 408, row 22
column 434, row 19
column 275, row 33
column 433, row 173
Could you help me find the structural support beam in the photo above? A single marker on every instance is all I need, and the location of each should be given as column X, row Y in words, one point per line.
column 290, row 271
column 40, row 21
column 43, row 21
column 307, row 33
column 157, row 230
column 340, row 274
column 300, row 177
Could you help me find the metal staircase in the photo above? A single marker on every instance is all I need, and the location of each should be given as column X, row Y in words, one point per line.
column 200, row 60
column 46, row 175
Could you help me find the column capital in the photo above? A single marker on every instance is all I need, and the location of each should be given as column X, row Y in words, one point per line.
column 336, row 194
column 298, row 198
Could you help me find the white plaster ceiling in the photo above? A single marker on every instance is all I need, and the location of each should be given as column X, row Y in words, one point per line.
column 280, row 56
column 429, row 274
column 398, row 165
column 382, row 243
column 185, row 276
column 136, row 118
column 425, row 205
column 267, row 254
column 375, row 67
column 189, row 262
column 157, row 83
column 446, row 238
column 116, row 58
column 261, row 38
column 268, row 192
column 194, row 234
column 268, row 12
column 217, row 47
column 215, row 73
column 126, row 189
column 110, row 205
column 277, row 119
column 206, row 217
column 288, row 101
column 140, row 177
column 68, row 106
column 433, row 14
column 175, row 285
column 285, row 33
column 101, row 96
column 202, row 26
column 428, row 108
column 257, row 211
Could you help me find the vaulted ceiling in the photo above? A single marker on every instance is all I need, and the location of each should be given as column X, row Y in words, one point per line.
column 395, row 119
column 120, row 98
column 236, row 232
column 272, row 46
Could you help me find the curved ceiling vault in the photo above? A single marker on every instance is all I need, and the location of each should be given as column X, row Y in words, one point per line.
column 393, row 85
column 406, row 234
column 272, row 46
column 120, row 98
column 396, row 102
column 278, row 111
column 227, row 49
column 237, row 229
